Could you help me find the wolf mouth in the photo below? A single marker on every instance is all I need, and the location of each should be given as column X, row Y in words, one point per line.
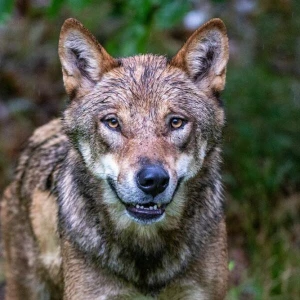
column 141, row 211
column 147, row 211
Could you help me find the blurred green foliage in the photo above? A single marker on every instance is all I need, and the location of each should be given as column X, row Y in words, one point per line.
column 263, row 130
column 262, row 165
column 140, row 22
column 261, row 140
column 6, row 8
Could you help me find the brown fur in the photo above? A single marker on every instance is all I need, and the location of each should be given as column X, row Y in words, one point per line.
column 64, row 219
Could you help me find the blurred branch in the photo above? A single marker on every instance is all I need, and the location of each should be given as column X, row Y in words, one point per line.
column 22, row 7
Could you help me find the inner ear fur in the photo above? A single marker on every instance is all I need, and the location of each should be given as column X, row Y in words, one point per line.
column 205, row 55
column 82, row 58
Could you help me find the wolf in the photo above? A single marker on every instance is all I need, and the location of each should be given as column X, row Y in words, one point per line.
column 121, row 198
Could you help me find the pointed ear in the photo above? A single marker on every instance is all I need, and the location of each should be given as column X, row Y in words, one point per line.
column 82, row 58
column 205, row 54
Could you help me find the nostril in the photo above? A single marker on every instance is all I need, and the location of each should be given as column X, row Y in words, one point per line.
column 148, row 182
column 165, row 182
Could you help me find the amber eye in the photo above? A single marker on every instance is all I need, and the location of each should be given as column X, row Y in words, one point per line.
column 176, row 123
column 112, row 123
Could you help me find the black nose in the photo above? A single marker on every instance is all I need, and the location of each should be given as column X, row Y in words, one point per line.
column 152, row 180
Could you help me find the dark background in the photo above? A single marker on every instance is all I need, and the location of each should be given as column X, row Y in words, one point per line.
column 262, row 99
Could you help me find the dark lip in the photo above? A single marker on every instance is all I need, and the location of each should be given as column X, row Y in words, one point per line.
column 143, row 213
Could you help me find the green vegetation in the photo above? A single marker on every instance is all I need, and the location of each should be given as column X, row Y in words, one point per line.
column 261, row 140
column 262, row 173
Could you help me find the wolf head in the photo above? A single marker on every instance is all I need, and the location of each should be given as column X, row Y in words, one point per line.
column 144, row 125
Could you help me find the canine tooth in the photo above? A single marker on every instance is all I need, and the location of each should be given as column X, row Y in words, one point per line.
column 155, row 207
column 137, row 206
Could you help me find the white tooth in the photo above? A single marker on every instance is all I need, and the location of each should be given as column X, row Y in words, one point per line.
column 141, row 206
column 137, row 206
column 155, row 207
column 151, row 207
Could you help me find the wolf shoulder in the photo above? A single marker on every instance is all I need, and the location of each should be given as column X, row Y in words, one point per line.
column 41, row 159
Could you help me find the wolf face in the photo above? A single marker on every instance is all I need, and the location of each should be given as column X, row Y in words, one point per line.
column 143, row 125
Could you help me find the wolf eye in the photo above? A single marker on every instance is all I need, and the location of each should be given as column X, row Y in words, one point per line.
column 176, row 123
column 112, row 123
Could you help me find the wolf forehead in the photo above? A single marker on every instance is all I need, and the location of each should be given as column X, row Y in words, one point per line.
column 148, row 82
